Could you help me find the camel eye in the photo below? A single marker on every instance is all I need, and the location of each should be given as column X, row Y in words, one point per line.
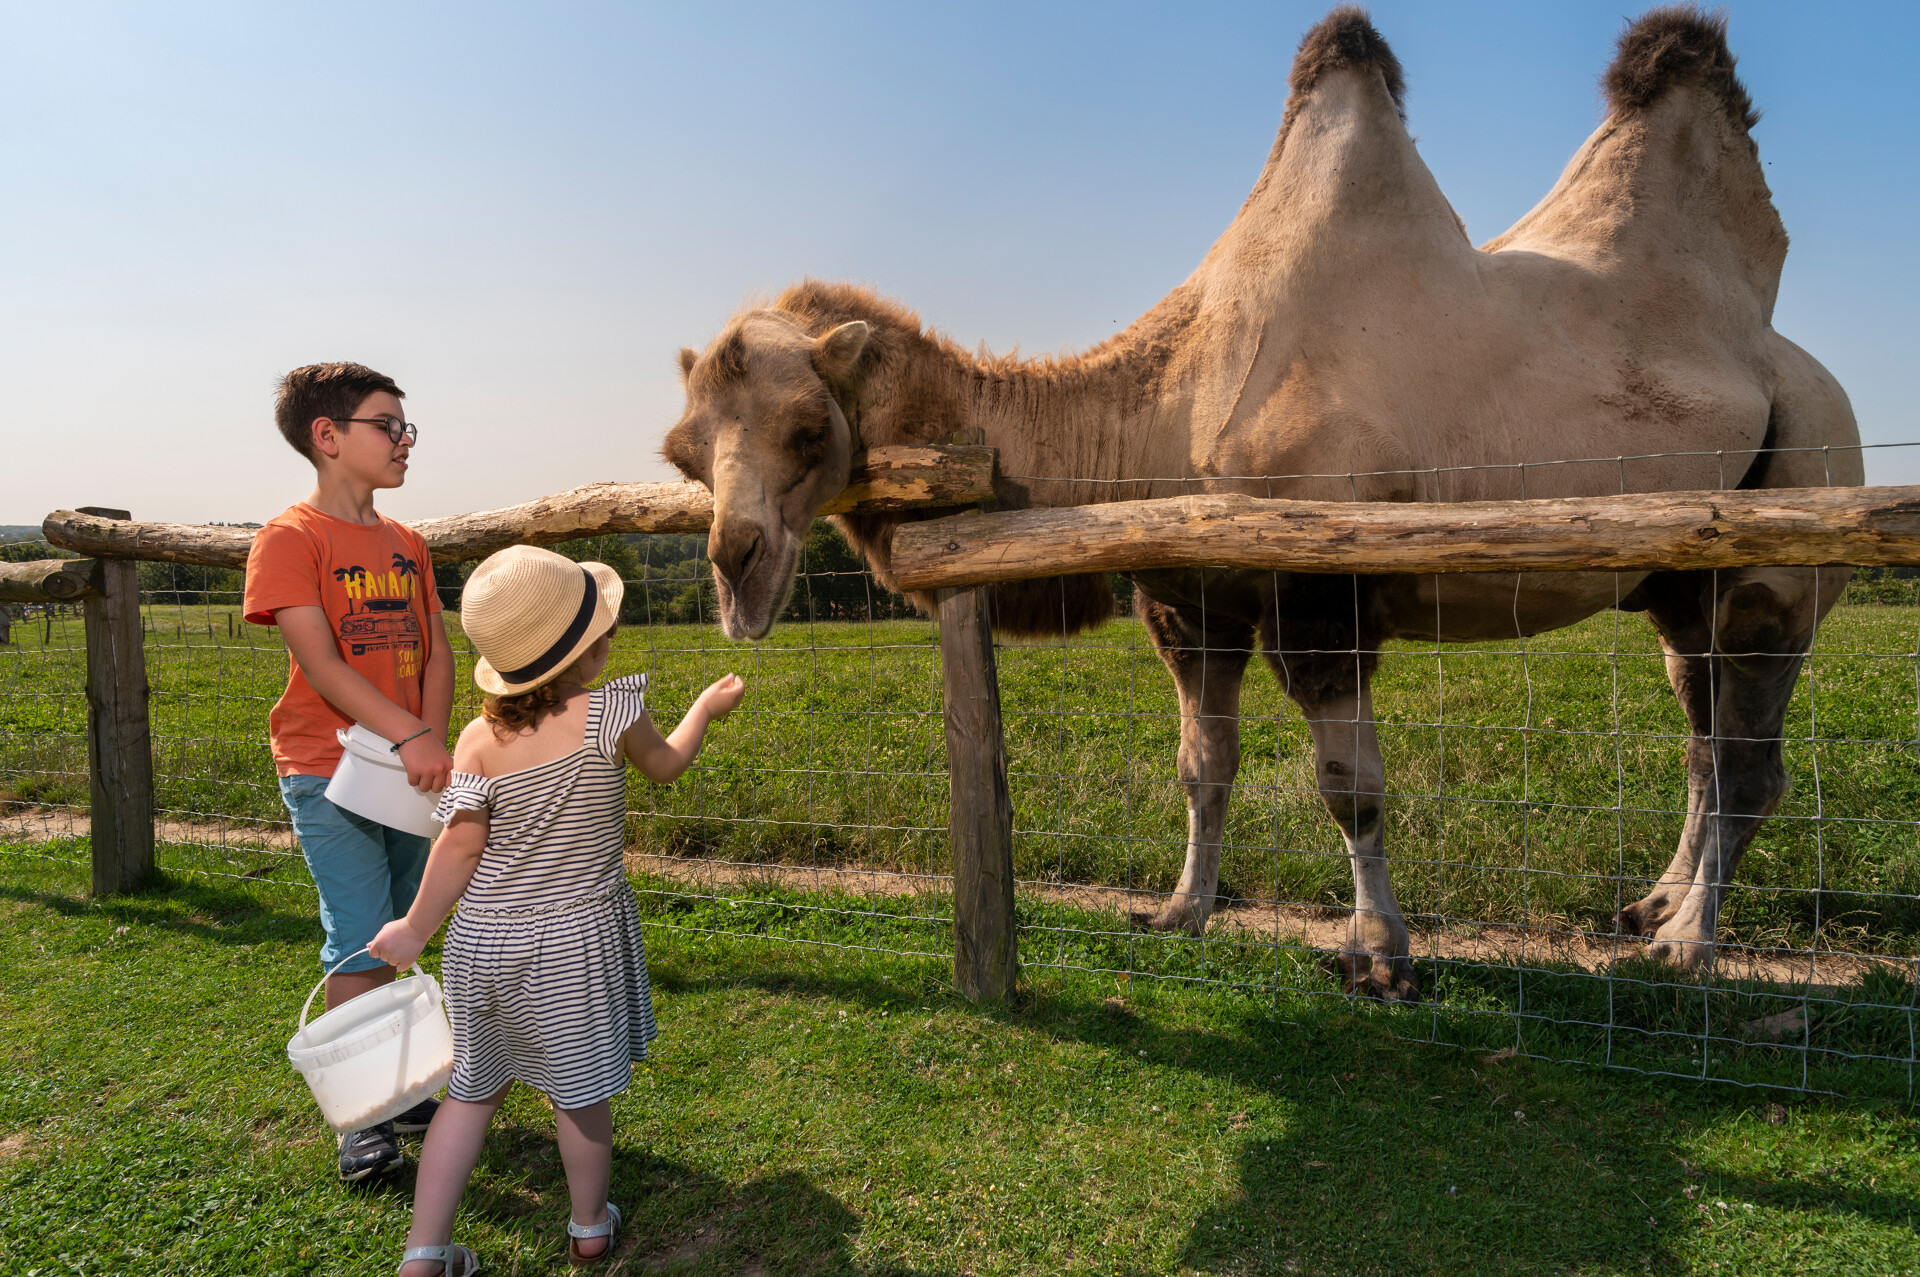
column 809, row 441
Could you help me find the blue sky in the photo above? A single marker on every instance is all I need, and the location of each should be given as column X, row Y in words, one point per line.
column 522, row 212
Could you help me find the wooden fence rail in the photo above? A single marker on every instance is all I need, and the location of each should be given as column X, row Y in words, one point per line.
column 885, row 479
column 50, row 580
column 1673, row 530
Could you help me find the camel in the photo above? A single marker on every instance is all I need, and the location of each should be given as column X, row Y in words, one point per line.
column 1344, row 340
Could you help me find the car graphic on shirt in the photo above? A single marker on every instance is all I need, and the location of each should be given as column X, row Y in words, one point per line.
column 381, row 624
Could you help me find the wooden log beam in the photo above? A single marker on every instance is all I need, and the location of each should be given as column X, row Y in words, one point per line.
column 885, row 479
column 1668, row 530
column 50, row 581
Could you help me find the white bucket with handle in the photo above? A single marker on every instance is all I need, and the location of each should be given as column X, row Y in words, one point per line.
column 371, row 781
column 376, row 1055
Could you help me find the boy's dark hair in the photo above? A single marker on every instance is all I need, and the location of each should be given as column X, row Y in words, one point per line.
column 324, row 390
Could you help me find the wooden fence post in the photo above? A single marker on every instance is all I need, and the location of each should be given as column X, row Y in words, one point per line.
column 985, row 963
column 119, row 741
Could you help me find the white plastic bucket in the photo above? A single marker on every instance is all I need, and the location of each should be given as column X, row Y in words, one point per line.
column 376, row 1055
column 371, row 781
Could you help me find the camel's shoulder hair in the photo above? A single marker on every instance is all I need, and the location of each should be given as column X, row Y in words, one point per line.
column 818, row 304
column 1675, row 45
column 1147, row 346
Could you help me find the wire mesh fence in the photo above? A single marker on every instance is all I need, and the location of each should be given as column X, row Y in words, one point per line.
column 43, row 762
column 1534, row 786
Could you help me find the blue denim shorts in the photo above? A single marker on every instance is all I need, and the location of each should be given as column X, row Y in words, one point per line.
column 366, row 872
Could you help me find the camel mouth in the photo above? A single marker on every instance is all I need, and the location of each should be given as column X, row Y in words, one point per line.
column 748, row 607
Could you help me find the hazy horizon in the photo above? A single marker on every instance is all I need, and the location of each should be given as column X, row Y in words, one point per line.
column 522, row 214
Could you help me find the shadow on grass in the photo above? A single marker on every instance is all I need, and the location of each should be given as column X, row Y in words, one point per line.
column 1854, row 1040
column 1400, row 1156
column 698, row 1224
column 189, row 906
column 679, row 1221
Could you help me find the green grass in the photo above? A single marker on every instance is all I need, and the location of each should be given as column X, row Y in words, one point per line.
column 1538, row 782
column 826, row 1110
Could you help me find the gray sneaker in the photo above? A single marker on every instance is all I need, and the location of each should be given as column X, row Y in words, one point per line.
column 417, row 1118
column 368, row 1152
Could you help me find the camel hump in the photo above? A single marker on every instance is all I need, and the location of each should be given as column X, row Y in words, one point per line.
column 1345, row 40
column 1676, row 45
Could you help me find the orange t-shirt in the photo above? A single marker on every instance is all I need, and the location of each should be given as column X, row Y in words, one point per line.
column 375, row 582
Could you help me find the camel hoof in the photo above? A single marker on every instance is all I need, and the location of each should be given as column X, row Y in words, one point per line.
column 1171, row 919
column 1377, row 976
column 1645, row 917
column 1692, row 956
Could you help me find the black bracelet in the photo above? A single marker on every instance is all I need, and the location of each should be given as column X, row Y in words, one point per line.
column 395, row 747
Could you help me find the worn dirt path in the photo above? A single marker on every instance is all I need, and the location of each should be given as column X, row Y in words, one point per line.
column 1320, row 930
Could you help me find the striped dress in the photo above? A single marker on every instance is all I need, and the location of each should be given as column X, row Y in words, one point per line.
column 545, row 975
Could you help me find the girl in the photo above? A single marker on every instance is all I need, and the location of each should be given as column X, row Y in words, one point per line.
column 546, row 980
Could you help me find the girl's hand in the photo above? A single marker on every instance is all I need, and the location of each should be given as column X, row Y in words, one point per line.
column 397, row 945
column 721, row 698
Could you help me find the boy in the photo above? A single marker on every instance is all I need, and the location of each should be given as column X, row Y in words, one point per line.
column 352, row 593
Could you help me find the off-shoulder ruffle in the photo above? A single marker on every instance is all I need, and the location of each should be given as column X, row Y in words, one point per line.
column 622, row 702
column 464, row 792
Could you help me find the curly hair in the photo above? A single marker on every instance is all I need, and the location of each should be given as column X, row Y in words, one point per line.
column 511, row 715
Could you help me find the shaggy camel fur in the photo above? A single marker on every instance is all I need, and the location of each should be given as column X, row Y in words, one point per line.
column 1345, row 338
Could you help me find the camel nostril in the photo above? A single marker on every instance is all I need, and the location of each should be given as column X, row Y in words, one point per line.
column 735, row 551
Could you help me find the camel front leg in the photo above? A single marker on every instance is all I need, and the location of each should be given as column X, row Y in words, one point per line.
column 1376, row 959
column 1208, row 660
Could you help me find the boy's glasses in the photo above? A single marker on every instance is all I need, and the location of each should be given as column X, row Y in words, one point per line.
column 397, row 430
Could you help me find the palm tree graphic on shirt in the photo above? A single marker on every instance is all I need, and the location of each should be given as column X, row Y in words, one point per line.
column 406, row 568
column 355, row 579
column 383, row 619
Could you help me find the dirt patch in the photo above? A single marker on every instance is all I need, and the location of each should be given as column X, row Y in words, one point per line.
column 1320, row 931
column 43, row 825
column 13, row 1147
column 684, row 1251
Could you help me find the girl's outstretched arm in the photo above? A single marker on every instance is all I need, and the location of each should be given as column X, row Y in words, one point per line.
column 662, row 759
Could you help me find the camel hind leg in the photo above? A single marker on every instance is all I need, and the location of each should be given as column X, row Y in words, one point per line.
column 1327, row 672
column 1735, row 642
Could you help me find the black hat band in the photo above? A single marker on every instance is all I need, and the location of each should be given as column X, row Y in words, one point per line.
column 564, row 644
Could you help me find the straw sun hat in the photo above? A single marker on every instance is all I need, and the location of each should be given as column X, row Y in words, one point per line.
column 530, row 613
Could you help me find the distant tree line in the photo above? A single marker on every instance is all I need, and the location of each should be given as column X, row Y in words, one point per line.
column 29, row 552
column 193, row 583
column 670, row 581
column 1883, row 585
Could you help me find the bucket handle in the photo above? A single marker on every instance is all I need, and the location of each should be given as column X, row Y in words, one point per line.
column 308, row 1004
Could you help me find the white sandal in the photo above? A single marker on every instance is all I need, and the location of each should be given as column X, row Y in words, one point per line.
column 608, row 1228
column 469, row 1262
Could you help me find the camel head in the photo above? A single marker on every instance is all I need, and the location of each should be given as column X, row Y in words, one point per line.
column 763, row 432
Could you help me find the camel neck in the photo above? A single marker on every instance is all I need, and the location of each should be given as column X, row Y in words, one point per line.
column 1066, row 428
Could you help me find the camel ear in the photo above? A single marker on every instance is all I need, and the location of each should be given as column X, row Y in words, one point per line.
column 835, row 354
column 688, row 356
